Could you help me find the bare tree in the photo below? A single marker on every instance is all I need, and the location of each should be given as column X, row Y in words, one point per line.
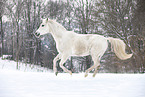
column 138, row 46
column 16, row 18
column 116, row 18
column 2, row 8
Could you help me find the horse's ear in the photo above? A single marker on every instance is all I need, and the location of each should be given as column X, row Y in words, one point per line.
column 41, row 19
column 47, row 20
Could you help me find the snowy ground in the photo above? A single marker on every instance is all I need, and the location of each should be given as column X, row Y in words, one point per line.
column 30, row 83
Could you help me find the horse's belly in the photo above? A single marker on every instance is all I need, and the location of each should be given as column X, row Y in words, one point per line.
column 80, row 54
column 80, row 49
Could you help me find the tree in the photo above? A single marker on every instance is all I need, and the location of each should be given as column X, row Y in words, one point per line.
column 138, row 37
column 22, row 22
column 2, row 8
column 116, row 18
column 16, row 16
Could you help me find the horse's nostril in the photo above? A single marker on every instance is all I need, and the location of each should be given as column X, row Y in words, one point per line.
column 37, row 34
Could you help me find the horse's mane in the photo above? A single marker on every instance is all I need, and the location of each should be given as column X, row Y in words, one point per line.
column 58, row 25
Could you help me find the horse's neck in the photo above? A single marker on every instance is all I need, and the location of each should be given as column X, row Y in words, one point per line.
column 58, row 35
column 57, row 31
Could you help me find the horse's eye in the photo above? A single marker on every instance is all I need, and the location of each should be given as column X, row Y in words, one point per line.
column 42, row 25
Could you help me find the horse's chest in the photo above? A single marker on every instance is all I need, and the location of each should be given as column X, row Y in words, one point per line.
column 61, row 46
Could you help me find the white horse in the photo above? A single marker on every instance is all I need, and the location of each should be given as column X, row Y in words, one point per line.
column 69, row 43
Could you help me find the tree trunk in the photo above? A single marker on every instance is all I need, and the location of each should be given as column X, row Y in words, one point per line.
column 2, row 37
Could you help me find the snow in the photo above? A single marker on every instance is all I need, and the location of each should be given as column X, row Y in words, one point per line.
column 5, row 18
column 6, row 56
column 126, row 18
column 30, row 83
column 11, row 66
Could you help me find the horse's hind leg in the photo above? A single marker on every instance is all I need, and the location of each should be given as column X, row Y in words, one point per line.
column 96, row 70
column 96, row 64
column 88, row 70
column 63, row 59
column 95, row 57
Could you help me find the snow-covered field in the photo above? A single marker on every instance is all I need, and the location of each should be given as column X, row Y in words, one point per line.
column 28, row 82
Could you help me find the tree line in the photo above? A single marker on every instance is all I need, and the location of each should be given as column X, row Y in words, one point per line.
column 122, row 19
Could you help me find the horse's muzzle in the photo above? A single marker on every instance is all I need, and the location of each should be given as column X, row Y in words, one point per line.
column 37, row 34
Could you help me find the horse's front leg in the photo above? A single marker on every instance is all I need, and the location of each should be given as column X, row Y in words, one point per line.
column 54, row 64
column 63, row 60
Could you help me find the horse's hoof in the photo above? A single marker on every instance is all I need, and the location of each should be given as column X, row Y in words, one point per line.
column 56, row 73
column 70, row 73
column 98, row 67
column 86, row 75
column 94, row 75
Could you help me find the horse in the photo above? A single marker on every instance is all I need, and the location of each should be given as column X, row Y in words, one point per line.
column 69, row 43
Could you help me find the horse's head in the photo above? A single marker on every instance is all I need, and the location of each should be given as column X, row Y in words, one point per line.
column 43, row 28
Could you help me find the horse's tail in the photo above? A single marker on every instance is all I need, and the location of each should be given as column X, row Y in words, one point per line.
column 118, row 47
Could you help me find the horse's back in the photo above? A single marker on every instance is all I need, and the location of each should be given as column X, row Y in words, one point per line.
column 83, row 43
column 93, row 39
column 99, row 42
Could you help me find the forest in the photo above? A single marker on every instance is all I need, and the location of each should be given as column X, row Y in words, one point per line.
column 123, row 19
